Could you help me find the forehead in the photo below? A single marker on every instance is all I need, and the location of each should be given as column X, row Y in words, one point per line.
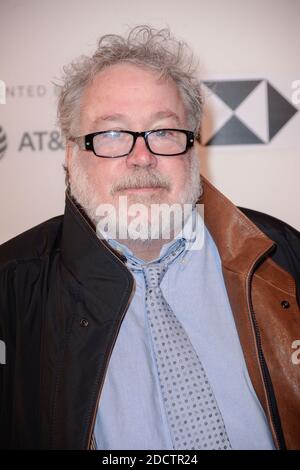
column 131, row 91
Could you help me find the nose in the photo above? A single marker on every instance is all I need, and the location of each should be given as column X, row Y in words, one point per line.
column 141, row 156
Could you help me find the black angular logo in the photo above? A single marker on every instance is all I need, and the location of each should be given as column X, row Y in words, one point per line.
column 3, row 142
column 255, row 97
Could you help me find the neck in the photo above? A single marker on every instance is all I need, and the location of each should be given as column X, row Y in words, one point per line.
column 146, row 251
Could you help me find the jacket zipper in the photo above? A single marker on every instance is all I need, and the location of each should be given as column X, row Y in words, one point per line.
column 271, row 399
column 92, row 425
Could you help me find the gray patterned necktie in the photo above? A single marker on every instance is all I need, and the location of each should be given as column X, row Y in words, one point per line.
column 194, row 418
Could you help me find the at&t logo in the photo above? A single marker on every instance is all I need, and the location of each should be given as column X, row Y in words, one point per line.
column 3, row 142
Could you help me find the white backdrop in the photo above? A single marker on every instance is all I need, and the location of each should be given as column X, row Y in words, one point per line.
column 234, row 40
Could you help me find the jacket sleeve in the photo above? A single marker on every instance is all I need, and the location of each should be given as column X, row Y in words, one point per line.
column 8, row 348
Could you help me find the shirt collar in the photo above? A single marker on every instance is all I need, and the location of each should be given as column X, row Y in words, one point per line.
column 188, row 237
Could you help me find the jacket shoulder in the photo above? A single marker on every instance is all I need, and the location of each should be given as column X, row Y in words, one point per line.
column 270, row 223
column 279, row 231
column 33, row 243
column 287, row 239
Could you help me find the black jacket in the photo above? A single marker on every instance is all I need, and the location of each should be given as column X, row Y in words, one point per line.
column 63, row 295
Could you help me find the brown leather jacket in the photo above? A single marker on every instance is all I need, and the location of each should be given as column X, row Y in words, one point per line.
column 64, row 294
column 264, row 304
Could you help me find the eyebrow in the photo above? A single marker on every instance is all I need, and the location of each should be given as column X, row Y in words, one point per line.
column 166, row 114
column 163, row 114
column 109, row 117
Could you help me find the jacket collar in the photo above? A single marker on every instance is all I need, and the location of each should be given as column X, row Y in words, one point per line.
column 91, row 260
column 239, row 241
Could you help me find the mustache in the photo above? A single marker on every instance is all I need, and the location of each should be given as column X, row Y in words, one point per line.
column 143, row 179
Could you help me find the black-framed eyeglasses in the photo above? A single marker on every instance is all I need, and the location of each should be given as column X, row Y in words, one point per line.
column 119, row 143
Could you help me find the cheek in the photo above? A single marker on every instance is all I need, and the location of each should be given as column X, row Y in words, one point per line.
column 104, row 173
column 178, row 173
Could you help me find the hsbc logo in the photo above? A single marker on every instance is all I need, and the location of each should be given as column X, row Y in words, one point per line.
column 245, row 112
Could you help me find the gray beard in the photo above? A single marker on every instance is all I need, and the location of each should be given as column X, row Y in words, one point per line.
column 86, row 196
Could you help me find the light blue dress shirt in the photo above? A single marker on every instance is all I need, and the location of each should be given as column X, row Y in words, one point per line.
column 131, row 412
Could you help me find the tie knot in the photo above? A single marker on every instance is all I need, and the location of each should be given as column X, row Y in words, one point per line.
column 153, row 274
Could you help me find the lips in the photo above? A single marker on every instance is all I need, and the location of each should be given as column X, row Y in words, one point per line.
column 144, row 188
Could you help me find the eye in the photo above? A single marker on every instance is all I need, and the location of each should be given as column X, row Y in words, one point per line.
column 112, row 135
column 162, row 133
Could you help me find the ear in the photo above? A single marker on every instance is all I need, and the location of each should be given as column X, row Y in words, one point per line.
column 197, row 147
column 68, row 153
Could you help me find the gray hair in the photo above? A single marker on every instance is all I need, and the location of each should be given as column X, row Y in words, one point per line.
column 144, row 46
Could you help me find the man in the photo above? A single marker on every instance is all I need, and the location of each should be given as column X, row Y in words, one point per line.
column 121, row 331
